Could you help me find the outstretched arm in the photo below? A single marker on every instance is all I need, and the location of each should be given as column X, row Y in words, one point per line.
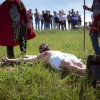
column 29, row 59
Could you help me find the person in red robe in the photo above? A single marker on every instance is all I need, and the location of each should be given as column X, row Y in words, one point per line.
column 7, row 32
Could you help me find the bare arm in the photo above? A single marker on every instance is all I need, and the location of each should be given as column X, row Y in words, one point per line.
column 87, row 8
column 39, row 58
column 29, row 59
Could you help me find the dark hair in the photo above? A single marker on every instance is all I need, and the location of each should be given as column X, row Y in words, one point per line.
column 44, row 47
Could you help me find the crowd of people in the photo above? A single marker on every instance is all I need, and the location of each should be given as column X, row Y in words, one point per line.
column 61, row 20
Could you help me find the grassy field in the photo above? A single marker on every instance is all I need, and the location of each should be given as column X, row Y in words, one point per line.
column 38, row 82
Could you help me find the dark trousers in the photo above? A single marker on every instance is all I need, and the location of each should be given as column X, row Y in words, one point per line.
column 51, row 24
column 42, row 22
column 63, row 24
column 22, row 43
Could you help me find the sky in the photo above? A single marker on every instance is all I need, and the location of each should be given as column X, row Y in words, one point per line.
column 56, row 5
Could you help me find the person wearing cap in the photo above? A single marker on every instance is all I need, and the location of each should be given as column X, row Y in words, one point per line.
column 57, row 60
column 62, row 20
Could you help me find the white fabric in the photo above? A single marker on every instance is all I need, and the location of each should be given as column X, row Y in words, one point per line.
column 70, row 57
column 55, row 60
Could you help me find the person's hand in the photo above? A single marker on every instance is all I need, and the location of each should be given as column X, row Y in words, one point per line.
column 5, row 59
column 85, row 7
column 28, row 26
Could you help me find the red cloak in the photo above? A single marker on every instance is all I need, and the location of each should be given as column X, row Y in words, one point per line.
column 6, row 35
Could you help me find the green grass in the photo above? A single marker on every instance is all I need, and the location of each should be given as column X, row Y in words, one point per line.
column 40, row 83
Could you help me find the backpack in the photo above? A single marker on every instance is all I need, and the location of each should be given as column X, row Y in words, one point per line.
column 56, row 20
column 14, row 16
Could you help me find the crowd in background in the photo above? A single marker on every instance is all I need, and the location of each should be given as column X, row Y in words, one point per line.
column 60, row 20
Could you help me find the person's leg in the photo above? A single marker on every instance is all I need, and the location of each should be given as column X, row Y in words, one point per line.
column 69, row 66
column 36, row 24
column 31, row 22
column 10, row 52
column 41, row 24
column 78, row 63
column 65, row 25
column 54, row 25
column 45, row 25
column 95, row 43
column 22, row 39
column 68, row 25
column 57, row 25
column 51, row 24
column 72, row 26
column 48, row 25
column 62, row 25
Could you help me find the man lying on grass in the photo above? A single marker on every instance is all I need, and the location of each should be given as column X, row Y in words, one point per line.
column 57, row 60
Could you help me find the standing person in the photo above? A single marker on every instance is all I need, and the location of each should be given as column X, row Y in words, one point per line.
column 14, row 31
column 37, row 19
column 31, row 17
column 41, row 18
column 55, row 19
column 79, row 17
column 50, row 19
column 95, row 28
column 46, row 19
column 59, row 19
column 62, row 20
column 74, row 20
column 69, row 19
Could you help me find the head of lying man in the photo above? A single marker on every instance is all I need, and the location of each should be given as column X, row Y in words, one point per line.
column 44, row 47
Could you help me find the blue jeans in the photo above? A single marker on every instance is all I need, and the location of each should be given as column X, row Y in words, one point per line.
column 95, row 43
column 37, row 23
column 31, row 22
column 46, row 25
